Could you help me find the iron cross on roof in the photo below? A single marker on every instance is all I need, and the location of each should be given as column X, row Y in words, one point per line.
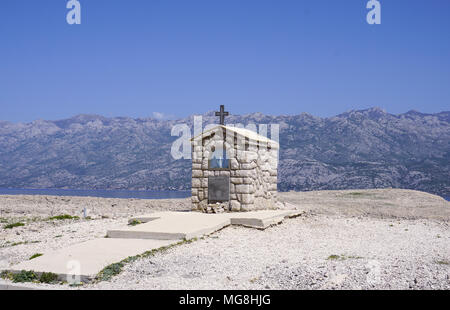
column 222, row 114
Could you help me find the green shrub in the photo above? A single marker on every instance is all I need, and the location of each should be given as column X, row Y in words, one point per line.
column 30, row 276
column 24, row 276
column 343, row 257
column 64, row 217
column 11, row 244
column 443, row 262
column 6, row 275
column 134, row 223
column 48, row 277
column 358, row 194
column 35, row 255
column 12, row 225
column 110, row 271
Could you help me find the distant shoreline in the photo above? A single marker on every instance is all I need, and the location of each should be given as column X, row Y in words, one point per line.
column 127, row 194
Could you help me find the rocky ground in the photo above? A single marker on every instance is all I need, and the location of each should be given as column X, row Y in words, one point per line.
column 40, row 233
column 357, row 239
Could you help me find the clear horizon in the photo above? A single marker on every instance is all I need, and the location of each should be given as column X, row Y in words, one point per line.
column 174, row 59
column 212, row 111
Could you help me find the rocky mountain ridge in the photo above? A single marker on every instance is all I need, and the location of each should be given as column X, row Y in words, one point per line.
column 357, row 149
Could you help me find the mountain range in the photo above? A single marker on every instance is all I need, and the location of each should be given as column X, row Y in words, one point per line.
column 357, row 149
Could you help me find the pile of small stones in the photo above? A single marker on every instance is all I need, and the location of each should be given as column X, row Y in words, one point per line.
column 217, row 208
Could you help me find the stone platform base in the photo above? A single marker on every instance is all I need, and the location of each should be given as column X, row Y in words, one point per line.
column 177, row 222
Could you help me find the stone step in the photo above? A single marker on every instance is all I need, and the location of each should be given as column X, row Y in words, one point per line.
column 255, row 219
column 172, row 226
column 261, row 219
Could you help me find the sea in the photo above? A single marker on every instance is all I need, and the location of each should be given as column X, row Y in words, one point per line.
column 99, row 193
column 106, row 193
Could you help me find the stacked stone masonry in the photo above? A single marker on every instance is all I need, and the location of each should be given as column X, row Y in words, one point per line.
column 252, row 171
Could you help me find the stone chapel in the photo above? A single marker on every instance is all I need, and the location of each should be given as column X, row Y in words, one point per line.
column 233, row 169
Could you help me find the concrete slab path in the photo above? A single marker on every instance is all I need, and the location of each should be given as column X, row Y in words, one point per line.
column 159, row 230
column 88, row 258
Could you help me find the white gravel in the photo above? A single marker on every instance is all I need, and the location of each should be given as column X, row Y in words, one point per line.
column 295, row 255
column 40, row 235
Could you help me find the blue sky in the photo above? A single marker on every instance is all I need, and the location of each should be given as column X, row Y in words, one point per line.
column 180, row 57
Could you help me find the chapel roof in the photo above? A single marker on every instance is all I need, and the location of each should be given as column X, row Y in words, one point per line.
column 251, row 135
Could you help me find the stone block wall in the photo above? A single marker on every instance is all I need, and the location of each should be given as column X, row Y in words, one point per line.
column 253, row 176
